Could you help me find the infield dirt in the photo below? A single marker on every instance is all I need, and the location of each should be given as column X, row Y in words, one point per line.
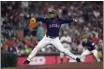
column 87, row 65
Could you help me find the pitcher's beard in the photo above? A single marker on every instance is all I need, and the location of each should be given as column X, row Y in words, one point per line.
column 54, row 18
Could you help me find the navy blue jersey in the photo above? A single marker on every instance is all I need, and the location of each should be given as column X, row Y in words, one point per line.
column 90, row 45
column 53, row 26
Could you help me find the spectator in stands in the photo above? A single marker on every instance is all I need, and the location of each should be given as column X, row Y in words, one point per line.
column 15, row 17
column 40, row 31
column 28, row 49
column 12, row 50
column 66, row 42
column 95, row 38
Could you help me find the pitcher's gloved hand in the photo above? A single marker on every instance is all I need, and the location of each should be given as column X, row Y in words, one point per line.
column 32, row 23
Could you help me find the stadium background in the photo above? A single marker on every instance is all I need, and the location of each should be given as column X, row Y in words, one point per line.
column 18, row 39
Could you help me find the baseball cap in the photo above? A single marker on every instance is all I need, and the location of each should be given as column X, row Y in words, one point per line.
column 53, row 12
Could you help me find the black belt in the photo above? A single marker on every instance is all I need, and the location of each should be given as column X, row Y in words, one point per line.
column 50, row 37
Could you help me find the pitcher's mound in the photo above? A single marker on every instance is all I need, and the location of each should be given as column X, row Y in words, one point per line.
column 76, row 65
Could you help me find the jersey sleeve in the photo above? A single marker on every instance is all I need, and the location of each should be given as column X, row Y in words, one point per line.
column 44, row 20
column 68, row 20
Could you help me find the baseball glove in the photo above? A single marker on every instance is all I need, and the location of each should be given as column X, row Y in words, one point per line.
column 32, row 23
column 100, row 55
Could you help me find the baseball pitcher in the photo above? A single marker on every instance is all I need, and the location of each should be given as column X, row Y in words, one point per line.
column 52, row 36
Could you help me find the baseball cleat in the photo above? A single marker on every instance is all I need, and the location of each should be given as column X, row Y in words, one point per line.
column 78, row 60
column 26, row 62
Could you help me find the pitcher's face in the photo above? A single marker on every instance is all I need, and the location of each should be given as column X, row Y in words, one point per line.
column 52, row 15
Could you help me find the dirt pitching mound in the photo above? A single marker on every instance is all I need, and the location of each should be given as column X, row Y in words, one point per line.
column 92, row 65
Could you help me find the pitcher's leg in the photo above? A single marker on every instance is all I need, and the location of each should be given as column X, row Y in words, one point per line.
column 59, row 46
column 40, row 45
column 84, row 54
column 44, row 42
column 95, row 53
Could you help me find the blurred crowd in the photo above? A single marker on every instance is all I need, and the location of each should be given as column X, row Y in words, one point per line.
column 18, row 38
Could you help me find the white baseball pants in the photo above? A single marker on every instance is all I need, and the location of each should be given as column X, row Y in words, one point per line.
column 55, row 42
column 87, row 52
column 62, row 54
